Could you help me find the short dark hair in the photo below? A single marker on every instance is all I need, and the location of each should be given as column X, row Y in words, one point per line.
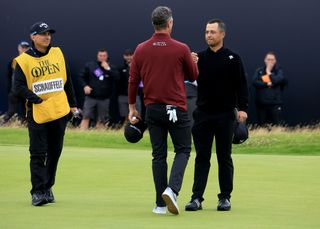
column 102, row 50
column 128, row 52
column 271, row 53
column 221, row 24
column 160, row 16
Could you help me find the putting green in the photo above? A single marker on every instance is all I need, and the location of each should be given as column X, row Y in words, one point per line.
column 113, row 188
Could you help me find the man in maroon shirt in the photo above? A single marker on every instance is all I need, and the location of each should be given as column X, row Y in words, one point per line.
column 163, row 64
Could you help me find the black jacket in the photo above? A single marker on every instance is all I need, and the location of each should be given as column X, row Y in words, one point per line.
column 99, row 79
column 122, row 83
column 265, row 95
column 222, row 84
column 10, row 77
column 21, row 88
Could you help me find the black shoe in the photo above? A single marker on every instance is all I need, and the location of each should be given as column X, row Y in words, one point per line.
column 224, row 205
column 193, row 205
column 39, row 199
column 50, row 196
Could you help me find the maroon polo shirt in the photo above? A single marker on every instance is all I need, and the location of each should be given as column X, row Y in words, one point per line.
column 163, row 64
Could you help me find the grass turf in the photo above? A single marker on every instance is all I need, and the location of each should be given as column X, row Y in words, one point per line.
column 113, row 188
column 279, row 141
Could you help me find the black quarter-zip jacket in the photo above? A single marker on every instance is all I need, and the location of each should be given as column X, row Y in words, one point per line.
column 222, row 84
column 102, row 89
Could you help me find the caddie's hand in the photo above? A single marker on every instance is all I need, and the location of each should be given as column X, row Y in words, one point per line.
column 75, row 112
column 194, row 57
column 133, row 114
column 87, row 90
column 73, row 109
column 105, row 65
column 242, row 116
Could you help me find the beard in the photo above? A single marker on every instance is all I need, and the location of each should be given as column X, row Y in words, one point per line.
column 213, row 44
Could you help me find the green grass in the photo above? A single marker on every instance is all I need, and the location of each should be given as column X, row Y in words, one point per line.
column 276, row 142
column 105, row 182
column 113, row 188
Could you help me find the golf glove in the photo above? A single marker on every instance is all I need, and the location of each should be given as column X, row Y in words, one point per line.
column 171, row 111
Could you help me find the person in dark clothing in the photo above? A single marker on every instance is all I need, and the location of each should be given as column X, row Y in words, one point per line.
column 122, row 86
column 269, row 83
column 97, row 80
column 163, row 64
column 192, row 91
column 43, row 79
column 15, row 102
column 222, row 88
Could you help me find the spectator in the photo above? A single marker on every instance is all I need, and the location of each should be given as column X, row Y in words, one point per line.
column 122, row 86
column 97, row 80
column 15, row 103
column 269, row 83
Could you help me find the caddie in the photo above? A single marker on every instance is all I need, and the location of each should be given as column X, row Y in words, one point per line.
column 41, row 77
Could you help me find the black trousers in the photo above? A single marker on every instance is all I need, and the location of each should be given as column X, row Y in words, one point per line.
column 46, row 142
column 207, row 127
column 269, row 114
column 159, row 126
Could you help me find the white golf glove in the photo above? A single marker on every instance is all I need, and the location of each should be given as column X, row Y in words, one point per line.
column 172, row 115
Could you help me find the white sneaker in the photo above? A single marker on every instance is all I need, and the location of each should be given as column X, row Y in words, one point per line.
column 170, row 198
column 160, row 210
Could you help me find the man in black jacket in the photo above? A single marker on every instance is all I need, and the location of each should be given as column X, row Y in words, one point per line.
column 97, row 80
column 42, row 78
column 269, row 83
column 222, row 87
column 122, row 86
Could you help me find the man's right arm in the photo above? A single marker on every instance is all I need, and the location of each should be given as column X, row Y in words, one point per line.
column 84, row 79
column 21, row 88
column 134, row 80
column 133, row 84
column 189, row 66
column 83, row 76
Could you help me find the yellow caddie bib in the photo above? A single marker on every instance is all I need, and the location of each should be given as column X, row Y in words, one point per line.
column 46, row 77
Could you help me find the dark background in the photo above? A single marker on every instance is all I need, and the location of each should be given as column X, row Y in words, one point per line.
column 288, row 27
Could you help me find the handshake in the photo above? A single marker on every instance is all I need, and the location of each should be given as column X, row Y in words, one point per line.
column 194, row 57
